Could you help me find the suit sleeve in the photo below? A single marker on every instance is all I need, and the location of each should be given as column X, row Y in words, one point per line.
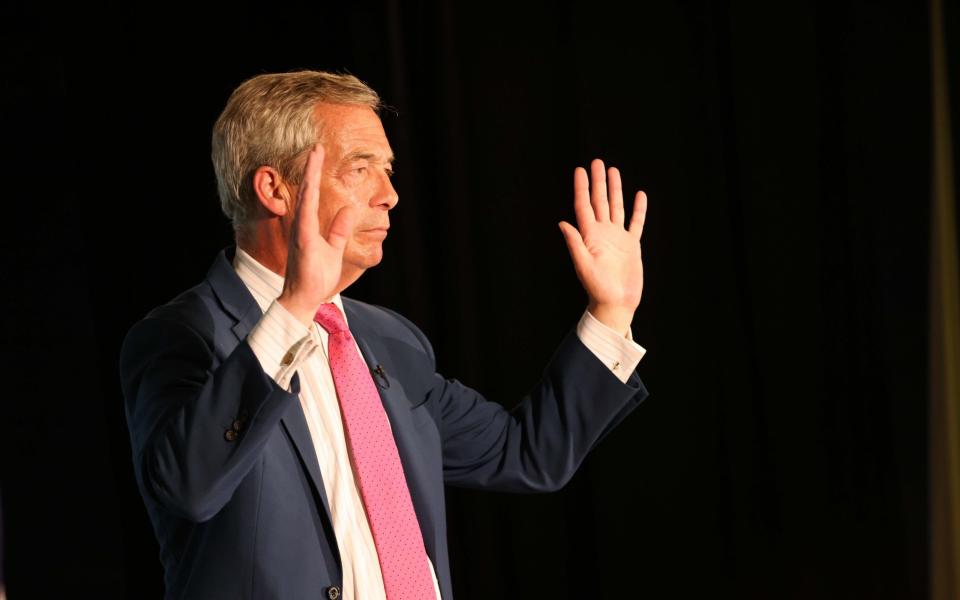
column 538, row 445
column 197, row 424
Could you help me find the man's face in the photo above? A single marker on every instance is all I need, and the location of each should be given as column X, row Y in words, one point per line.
column 357, row 166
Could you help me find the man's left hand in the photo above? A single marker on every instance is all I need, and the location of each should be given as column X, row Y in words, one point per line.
column 606, row 255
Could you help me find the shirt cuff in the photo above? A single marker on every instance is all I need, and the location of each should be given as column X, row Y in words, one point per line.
column 281, row 343
column 619, row 352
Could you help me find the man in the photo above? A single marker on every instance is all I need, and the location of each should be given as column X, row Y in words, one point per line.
column 292, row 443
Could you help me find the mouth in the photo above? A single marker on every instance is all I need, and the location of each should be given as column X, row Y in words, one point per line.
column 377, row 232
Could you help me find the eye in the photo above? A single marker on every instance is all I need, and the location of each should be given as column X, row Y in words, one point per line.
column 358, row 167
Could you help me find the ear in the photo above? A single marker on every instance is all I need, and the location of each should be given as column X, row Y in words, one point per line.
column 272, row 190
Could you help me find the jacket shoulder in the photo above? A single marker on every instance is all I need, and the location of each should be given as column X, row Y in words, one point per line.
column 194, row 309
column 387, row 324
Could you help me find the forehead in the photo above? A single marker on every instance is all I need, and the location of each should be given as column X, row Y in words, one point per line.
column 350, row 129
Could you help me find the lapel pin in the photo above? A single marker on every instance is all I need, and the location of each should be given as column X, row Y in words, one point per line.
column 381, row 375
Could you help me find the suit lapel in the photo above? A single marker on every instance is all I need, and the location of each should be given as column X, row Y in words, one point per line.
column 295, row 424
column 237, row 301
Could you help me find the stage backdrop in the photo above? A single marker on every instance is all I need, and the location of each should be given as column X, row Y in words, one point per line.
column 786, row 151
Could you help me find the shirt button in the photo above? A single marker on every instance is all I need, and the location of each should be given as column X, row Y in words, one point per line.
column 333, row 592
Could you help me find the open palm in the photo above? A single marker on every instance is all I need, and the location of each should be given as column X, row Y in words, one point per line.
column 605, row 253
column 314, row 258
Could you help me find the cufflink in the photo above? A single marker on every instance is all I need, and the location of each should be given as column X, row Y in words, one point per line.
column 616, row 365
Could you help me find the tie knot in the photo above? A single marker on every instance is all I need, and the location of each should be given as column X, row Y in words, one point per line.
column 331, row 319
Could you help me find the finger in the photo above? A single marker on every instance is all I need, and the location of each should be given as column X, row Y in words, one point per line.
column 581, row 199
column 578, row 250
column 616, row 196
column 308, row 202
column 639, row 215
column 598, row 190
column 341, row 227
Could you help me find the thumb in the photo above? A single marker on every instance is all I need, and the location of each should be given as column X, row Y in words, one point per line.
column 341, row 227
column 578, row 251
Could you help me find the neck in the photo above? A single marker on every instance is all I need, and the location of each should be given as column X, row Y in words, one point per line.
column 265, row 251
column 270, row 250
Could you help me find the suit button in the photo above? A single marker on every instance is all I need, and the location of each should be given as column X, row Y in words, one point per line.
column 333, row 592
column 237, row 425
column 230, row 435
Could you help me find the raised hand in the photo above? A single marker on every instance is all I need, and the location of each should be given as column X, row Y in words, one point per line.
column 606, row 255
column 314, row 258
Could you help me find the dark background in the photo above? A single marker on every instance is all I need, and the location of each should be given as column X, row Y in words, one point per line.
column 785, row 148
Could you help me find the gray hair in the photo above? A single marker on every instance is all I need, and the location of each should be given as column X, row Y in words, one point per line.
column 270, row 120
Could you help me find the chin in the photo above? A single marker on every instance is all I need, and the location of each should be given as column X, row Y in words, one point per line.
column 362, row 263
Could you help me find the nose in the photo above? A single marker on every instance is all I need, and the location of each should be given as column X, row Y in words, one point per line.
column 386, row 195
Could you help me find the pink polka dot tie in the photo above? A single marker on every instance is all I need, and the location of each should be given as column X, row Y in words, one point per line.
column 376, row 464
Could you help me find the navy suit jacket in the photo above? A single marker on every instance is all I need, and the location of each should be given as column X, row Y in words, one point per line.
column 226, row 466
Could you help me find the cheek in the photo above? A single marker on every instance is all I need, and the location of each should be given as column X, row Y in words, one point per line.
column 354, row 187
column 328, row 212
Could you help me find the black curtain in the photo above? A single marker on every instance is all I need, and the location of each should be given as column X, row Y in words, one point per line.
column 785, row 148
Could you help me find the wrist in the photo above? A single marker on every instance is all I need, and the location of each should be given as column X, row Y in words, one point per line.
column 617, row 318
column 297, row 310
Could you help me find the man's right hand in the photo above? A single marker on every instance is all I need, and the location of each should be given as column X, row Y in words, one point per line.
column 314, row 260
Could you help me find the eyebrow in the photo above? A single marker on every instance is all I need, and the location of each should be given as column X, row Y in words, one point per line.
column 365, row 155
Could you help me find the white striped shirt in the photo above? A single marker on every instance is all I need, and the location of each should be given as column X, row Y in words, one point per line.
column 285, row 346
